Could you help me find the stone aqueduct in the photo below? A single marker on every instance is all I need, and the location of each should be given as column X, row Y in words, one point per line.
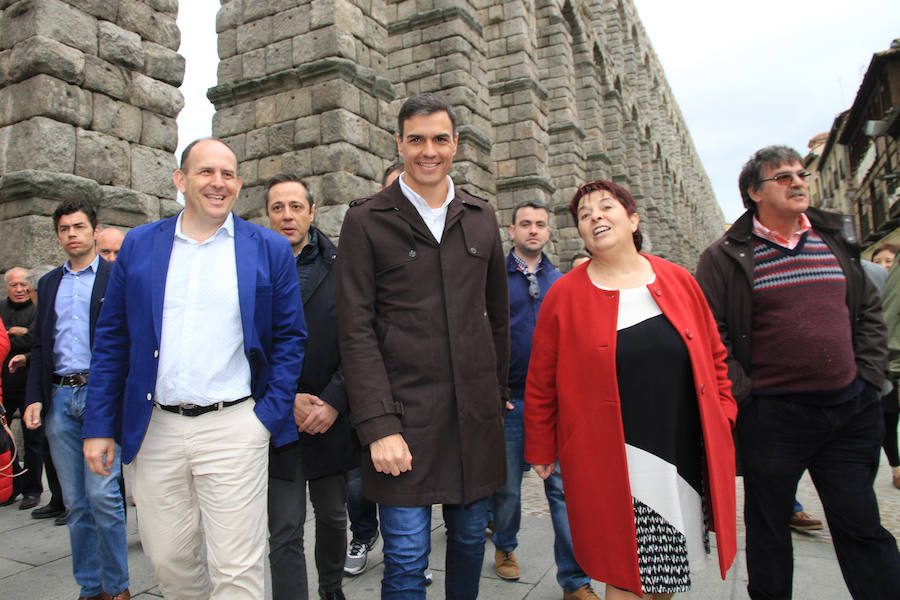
column 549, row 94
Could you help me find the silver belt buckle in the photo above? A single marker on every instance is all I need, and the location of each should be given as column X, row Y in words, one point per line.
column 182, row 407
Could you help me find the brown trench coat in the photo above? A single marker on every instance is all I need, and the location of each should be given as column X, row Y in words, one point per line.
column 424, row 338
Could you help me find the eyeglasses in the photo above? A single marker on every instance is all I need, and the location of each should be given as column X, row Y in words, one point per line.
column 787, row 178
column 533, row 288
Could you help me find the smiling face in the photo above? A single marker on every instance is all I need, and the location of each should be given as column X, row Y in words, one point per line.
column 209, row 182
column 427, row 147
column 604, row 224
column 776, row 202
column 290, row 213
column 76, row 236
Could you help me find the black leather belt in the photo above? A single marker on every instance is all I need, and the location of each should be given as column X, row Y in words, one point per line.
column 73, row 380
column 194, row 410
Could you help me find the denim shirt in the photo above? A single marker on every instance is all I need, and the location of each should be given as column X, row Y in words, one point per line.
column 72, row 331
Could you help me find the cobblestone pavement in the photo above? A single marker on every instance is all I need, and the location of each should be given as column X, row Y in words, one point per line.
column 35, row 561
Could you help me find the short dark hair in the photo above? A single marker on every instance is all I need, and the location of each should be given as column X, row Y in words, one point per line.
column 752, row 171
column 892, row 248
column 618, row 192
column 67, row 207
column 394, row 166
column 185, row 154
column 285, row 177
column 529, row 204
column 424, row 104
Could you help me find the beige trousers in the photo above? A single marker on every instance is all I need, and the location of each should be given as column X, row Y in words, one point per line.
column 204, row 476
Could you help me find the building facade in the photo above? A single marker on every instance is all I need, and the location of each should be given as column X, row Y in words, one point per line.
column 858, row 171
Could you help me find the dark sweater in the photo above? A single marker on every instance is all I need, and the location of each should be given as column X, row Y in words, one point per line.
column 802, row 340
column 15, row 314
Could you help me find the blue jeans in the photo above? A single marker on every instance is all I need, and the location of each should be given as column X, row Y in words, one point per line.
column 507, row 504
column 96, row 511
column 407, row 542
column 363, row 512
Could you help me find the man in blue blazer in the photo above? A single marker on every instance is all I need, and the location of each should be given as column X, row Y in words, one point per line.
column 69, row 301
column 197, row 355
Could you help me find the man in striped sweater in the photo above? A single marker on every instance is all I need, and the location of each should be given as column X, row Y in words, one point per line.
column 807, row 357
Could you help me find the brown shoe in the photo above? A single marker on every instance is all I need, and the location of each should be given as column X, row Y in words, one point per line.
column 124, row 595
column 583, row 593
column 896, row 481
column 505, row 564
column 100, row 596
column 803, row 522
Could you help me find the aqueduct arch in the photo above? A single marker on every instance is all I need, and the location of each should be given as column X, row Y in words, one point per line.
column 549, row 93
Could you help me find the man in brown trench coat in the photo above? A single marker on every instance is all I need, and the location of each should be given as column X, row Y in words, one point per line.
column 423, row 319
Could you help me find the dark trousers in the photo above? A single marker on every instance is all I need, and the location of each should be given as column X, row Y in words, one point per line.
column 287, row 513
column 29, row 483
column 890, row 439
column 840, row 446
column 362, row 511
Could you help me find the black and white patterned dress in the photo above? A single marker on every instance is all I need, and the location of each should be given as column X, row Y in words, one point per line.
column 663, row 444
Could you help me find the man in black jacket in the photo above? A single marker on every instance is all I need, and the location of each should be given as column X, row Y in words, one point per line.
column 17, row 312
column 328, row 447
column 806, row 359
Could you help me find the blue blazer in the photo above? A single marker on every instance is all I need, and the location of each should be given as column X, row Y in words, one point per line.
column 125, row 357
column 40, row 373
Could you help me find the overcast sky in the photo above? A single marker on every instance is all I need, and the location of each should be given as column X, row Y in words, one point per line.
column 745, row 74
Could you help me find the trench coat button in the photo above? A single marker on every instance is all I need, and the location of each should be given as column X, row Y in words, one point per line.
column 741, row 254
column 412, row 253
column 689, row 334
column 656, row 291
column 149, row 396
column 156, row 354
column 473, row 250
column 702, row 388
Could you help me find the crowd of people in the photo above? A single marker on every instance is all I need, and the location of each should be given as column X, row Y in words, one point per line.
column 231, row 369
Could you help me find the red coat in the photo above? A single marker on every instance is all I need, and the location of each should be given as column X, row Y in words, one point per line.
column 572, row 411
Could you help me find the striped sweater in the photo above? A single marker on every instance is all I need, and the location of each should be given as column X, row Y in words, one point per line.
column 802, row 340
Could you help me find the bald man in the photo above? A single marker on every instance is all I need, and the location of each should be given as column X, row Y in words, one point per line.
column 17, row 313
column 108, row 243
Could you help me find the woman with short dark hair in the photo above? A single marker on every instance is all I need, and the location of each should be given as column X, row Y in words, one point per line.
column 628, row 390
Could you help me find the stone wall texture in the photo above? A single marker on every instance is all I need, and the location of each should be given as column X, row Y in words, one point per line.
column 88, row 100
column 549, row 94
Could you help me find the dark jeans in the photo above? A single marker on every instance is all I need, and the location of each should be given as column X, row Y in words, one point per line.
column 287, row 513
column 840, row 446
column 28, row 484
column 363, row 512
column 406, row 531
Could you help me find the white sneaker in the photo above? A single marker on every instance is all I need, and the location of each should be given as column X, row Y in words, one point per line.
column 428, row 577
column 358, row 556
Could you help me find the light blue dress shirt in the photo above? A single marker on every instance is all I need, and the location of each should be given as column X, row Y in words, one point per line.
column 72, row 332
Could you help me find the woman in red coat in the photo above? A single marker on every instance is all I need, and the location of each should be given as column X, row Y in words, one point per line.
column 628, row 389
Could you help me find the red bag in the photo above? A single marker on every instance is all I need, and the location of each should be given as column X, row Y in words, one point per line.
column 7, row 457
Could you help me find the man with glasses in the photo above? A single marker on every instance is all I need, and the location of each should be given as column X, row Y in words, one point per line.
column 807, row 357
column 530, row 274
